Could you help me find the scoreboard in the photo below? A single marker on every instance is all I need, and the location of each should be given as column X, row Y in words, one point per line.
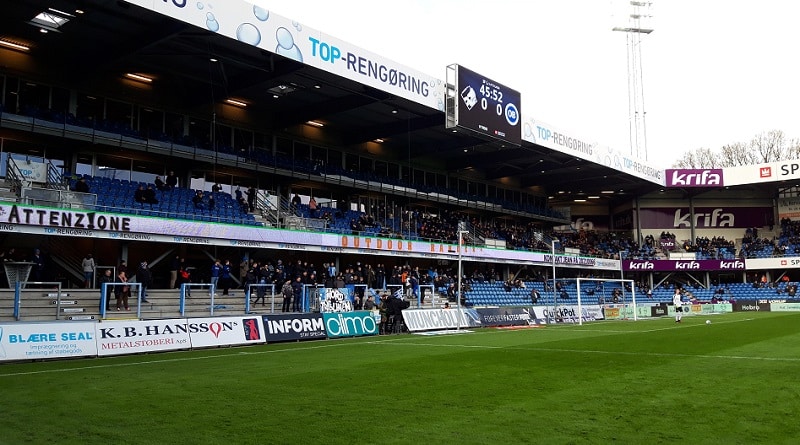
column 487, row 107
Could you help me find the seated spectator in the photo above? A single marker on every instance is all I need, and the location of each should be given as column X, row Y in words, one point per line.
column 81, row 186
column 216, row 188
column 138, row 195
column 534, row 296
column 211, row 202
column 150, row 195
column 198, row 201
column 160, row 185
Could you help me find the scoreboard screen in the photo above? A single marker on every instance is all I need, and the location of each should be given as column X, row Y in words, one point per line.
column 487, row 107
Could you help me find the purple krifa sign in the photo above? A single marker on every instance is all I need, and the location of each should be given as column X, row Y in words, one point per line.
column 680, row 265
column 684, row 177
column 705, row 217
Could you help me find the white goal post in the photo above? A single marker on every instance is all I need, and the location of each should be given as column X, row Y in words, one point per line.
column 605, row 296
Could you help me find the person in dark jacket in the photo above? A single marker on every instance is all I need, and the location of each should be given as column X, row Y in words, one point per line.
column 145, row 278
column 297, row 295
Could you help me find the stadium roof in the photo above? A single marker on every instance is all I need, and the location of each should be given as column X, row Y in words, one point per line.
column 91, row 44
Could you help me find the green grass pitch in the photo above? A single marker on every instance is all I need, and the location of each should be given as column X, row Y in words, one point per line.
column 651, row 381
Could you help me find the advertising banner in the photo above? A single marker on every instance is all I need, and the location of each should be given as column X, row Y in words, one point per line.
column 31, row 170
column 759, row 173
column 784, row 307
column 263, row 29
column 621, row 312
column 569, row 314
column 350, row 324
column 681, row 265
column 293, row 327
column 427, row 319
column 507, row 316
column 659, row 311
column 225, row 331
column 751, row 306
column 789, row 208
column 541, row 133
column 773, row 263
column 704, row 217
column 707, row 177
column 134, row 336
column 23, row 341
column 80, row 223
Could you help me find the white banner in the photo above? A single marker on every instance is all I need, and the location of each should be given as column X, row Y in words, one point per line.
column 546, row 135
column 768, row 172
column 226, row 331
column 425, row 319
column 256, row 26
column 772, row 263
column 74, row 223
column 789, row 208
column 133, row 336
column 31, row 170
column 34, row 341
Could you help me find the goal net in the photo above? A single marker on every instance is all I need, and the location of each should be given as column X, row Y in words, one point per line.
column 597, row 298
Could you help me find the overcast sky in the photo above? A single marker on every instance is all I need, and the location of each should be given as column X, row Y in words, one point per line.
column 714, row 71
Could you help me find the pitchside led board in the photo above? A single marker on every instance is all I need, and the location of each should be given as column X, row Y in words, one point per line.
column 487, row 107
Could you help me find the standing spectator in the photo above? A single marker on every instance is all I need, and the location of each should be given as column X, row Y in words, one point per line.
column 251, row 198
column 244, row 267
column 144, row 277
column 106, row 278
column 38, row 265
column 216, row 188
column 88, row 266
column 287, row 292
column 81, row 186
column 122, row 291
column 216, row 272
column 369, row 304
column 184, row 276
column 313, row 209
column 240, row 200
column 225, row 277
column 123, row 267
column 174, row 266
column 297, row 294
column 261, row 291
column 296, row 203
column 172, row 180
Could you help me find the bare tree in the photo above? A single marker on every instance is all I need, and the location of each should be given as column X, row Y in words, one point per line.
column 769, row 146
column 737, row 154
column 699, row 158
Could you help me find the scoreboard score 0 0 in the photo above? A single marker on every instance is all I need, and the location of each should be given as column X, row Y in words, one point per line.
column 487, row 107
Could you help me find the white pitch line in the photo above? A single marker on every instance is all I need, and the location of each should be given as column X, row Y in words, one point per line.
column 594, row 351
